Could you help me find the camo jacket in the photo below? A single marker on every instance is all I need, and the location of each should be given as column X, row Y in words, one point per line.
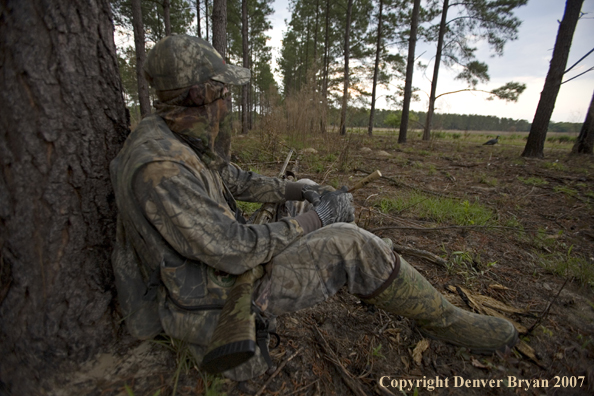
column 175, row 223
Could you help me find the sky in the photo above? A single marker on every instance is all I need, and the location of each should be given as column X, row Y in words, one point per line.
column 525, row 60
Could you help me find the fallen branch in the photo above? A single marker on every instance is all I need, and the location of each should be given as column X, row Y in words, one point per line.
column 303, row 388
column 278, row 370
column 546, row 311
column 468, row 227
column 348, row 379
column 420, row 253
column 401, row 184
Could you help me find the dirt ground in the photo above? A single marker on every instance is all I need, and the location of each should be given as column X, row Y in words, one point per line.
column 535, row 262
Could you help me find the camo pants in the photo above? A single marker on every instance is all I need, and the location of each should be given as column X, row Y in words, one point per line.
column 315, row 267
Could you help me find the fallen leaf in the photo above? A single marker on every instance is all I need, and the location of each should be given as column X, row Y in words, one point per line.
column 405, row 362
column 529, row 352
column 497, row 286
column 418, row 351
column 477, row 364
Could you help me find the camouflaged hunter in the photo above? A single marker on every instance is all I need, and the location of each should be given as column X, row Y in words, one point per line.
column 180, row 243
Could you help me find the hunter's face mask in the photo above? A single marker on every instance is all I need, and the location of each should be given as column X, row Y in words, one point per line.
column 199, row 115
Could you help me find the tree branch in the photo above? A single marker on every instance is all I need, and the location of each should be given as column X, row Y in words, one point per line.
column 573, row 78
column 463, row 90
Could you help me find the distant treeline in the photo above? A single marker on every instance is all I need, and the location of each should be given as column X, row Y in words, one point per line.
column 359, row 118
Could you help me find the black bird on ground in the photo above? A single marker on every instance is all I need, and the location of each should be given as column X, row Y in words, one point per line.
column 492, row 141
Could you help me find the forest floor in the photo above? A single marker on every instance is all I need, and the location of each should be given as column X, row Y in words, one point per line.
column 506, row 236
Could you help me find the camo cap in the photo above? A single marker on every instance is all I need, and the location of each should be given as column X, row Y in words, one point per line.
column 180, row 61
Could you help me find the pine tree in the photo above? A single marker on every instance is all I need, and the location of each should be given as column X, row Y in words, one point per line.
column 585, row 141
column 410, row 65
column 546, row 104
column 490, row 20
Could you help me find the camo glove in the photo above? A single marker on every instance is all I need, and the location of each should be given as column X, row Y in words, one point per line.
column 298, row 191
column 313, row 192
column 335, row 207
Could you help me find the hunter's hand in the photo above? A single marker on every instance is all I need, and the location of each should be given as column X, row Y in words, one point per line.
column 336, row 207
column 313, row 192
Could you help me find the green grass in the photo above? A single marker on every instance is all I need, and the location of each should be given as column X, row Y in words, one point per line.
column 554, row 165
column 465, row 265
column 248, row 207
column 438, row 209
column 489, row 181
column 568, row 265
column 533, row 181
column 566, row 190
column 561, row 139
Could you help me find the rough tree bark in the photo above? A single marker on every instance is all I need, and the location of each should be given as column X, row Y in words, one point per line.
column 376, row 68
column 585, row 141
column 315, row 54
column 206, row 17
column 410, row 67
column 323, row 120
column 442, row 31
column 548, row 96
column 62, row 119
column 219, row 26
column 244, row 89
column 198, row 29
column 345, row 92
column 166, row 17
column 143, row 90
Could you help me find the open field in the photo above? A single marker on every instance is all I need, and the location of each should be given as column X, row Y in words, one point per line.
column 494, row 232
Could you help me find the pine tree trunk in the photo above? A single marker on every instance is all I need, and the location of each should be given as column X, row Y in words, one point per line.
column 376, row 69
column 143, row 90
column 307, row 51
column 585, row 141
column 548, row 96
column 410, row 67
column 315, row 54
column 61, row 123
column 166, row 17
column 219, row 26
column 345, row 92
column 442, row 30
column 198, row 28
column 326, row 55
column 324, row 119
column 244, row 89
column 206, row 17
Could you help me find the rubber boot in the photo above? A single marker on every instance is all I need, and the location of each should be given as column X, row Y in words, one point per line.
column 408, row 293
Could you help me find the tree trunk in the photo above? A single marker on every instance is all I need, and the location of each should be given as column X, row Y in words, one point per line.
column 376, row 68
column 206, row 17
column 442, row 30
column 585, row 140
column 219, row 26
column 548, row 96
column 315, row 54
column 307, row 51
column 198, row 28
column 166, row 17
column 143, row 90
column 244, row 89
column 62, row 119
column 410, row 67
column 345, row 92
column 324, row 119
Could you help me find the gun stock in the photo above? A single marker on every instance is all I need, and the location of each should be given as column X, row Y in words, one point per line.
column 234, row 339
